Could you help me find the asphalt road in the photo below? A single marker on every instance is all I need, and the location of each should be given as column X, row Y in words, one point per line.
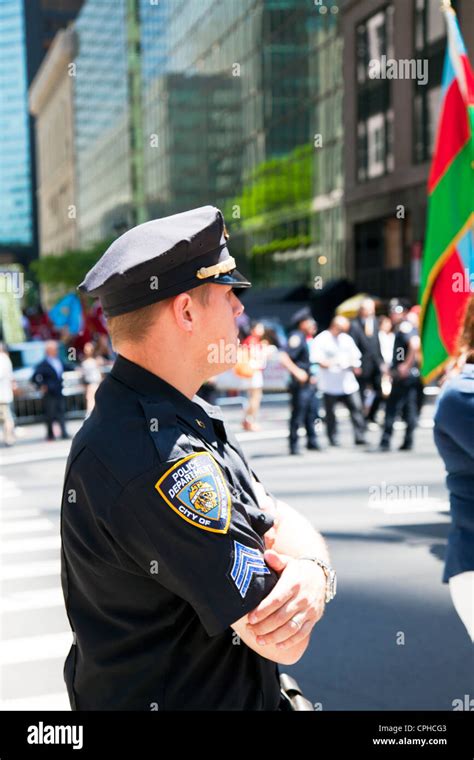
column 389, row 641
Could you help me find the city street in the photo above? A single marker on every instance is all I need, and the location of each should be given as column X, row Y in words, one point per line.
column 391, row 639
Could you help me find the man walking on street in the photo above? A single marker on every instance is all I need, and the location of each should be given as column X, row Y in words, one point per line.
column 365, row 333
column 302, row 392
column 404, row 396
column 338, row 358
column 48, row 377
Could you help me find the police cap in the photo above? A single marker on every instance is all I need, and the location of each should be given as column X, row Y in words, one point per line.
column 301, row 315
column 162, row 258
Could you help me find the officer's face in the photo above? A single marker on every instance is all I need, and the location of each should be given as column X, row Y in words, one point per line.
column 221, row 334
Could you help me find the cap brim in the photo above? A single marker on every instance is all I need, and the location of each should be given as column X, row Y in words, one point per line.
column 234, row 278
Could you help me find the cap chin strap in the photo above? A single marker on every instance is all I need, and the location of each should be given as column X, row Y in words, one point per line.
column 216, row 269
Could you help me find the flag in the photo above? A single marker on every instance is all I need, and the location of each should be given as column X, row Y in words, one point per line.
column 447, row 275
column 68, row 313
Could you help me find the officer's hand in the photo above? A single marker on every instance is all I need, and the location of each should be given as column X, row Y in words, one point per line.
column 301, row 375
column 299, row 593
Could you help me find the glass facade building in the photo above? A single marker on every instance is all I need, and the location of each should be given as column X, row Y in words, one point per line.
column 15, row 174
column 101, row 121
column 230, row 97
column 27, row 28
column 326, row 90
column 228, row 121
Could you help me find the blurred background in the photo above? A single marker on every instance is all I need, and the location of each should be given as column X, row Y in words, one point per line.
column 114, row 112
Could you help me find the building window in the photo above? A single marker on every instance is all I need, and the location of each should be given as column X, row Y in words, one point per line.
column 374, row 109
column 430, row 45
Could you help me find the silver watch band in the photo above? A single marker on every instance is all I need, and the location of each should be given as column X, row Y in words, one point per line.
column 330, row 573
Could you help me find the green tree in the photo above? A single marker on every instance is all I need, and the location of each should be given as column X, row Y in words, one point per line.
column 68, row 268
column 276, row 184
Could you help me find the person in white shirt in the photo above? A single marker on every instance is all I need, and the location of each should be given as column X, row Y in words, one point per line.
column 6, row 396
column 339, row 358
column 387, row 342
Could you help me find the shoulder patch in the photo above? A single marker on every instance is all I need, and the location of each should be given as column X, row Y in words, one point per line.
column 294, row 341
column 247, row 563
column 196, row 490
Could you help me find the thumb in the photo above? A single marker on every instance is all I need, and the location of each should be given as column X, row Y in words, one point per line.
column 275, row 560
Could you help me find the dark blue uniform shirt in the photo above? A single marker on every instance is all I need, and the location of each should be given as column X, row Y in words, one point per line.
column 162, row 550
column 454, row 438
column 298, row 350
column 404, row 332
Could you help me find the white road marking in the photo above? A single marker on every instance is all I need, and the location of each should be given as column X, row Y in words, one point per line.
column 10, row 513
column 40, row 525
column 42, row 703
column 18, row 546
column 35, row 648
column 32, row 600
column 31, row 569
column 409, row 506
column 35, row 457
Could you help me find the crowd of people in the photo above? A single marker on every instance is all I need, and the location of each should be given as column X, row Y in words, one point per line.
column 367, row 364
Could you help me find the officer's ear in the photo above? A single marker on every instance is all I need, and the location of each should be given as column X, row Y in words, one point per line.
column 184, row 312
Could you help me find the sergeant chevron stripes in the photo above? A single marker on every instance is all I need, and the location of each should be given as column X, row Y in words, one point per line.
column 247, row 563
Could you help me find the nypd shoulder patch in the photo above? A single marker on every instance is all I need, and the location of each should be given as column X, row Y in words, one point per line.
column 196, row 490
column 294, row 341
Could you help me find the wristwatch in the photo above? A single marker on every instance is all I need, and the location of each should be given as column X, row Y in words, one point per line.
column 331, row 577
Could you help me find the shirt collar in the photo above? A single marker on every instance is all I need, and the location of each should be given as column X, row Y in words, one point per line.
column 196, row 412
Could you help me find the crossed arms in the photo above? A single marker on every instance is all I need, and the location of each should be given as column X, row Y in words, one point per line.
column 270, row 629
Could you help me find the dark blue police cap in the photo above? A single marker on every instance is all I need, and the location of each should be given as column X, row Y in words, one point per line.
column 163, row 258
column 300, row 315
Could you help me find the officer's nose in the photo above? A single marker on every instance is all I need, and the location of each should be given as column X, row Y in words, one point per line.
column 238, row 306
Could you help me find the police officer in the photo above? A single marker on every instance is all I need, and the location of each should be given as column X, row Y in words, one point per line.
column 181, row 575
column 406, row 382
column 303, row 400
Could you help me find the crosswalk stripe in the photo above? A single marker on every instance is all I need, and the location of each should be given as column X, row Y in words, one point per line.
column 31, row 600
column 17, row 546
column 33, row 457
column 11, row 513
column 30, row 570
column 35, row 648
column 39, row 525
column 43, row 702
column 407, row 506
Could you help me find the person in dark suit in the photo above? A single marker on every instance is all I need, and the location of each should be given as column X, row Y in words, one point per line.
column 303, row 399
column 48, row 377
column 365, row 333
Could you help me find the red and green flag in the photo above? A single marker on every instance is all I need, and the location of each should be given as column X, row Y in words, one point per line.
column 447, row 277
